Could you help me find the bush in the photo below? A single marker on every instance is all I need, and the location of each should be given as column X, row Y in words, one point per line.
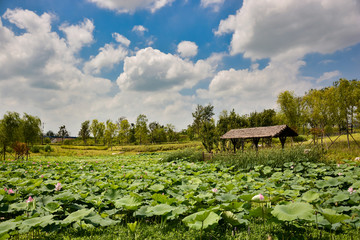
column 47, row 148
column 35, row 149
column 47, row 140
column 188, row 154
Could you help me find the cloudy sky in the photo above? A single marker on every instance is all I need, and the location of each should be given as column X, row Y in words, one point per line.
column 70, row 61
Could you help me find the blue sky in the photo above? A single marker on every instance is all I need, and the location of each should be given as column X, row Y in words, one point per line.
column 71, row 61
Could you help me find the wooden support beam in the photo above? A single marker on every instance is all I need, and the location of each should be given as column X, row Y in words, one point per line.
column 256, row 142
column 282, row 140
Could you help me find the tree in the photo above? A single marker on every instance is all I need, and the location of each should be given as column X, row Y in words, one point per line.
column 290, row 106
column 63, row 132
column 50, row 134
column 201, row 115
column 124, row 131
column 170, row 133
column 208, row 135
column 206, row 125
column 84, row 132
column 110, row 132
column 97, row 129
column 10, row 130
column 141, row 130
column 31, row 128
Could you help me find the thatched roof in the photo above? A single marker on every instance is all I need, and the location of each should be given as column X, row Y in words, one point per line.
column 260, row 132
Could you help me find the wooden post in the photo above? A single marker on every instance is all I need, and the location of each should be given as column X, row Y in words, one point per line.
column 242, row 144
column 282, row 140
column 234, row 142
column 256, row 142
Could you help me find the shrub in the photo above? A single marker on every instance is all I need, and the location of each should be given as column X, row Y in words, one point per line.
column 188, row 154
column 47, row 140
column 47, row 148
column 35, row 149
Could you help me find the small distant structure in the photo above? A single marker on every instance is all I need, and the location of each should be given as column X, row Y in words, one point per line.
column 280, row 131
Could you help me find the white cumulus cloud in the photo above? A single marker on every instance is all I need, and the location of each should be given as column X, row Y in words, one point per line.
column 121, row 39
column 152, row 70
column 130, row 6
column 267, row 29
column 214, row 4
column 328, row 76
column 78, row 35
column 108, row 56
column 187, row 49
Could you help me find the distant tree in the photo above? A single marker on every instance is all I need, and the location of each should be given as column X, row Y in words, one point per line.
column 10, row 130
column 84, row 132
column 50, row 134
column 171, row 133
column 141, row 130
column 63, row 132
column 202, row 114
column 31, row 128
column 290, row 106
column 95, row 130
column 110, row 132
column 124, row 131
column 208, row 135
column 132, row 138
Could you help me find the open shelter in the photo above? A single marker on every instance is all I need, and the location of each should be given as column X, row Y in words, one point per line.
column 280, row 131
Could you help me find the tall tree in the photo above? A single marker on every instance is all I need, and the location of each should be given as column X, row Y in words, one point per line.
column 290, row 106
column 63, row 132
column 10, row 130
column 110, row 132
column 202, row 114
column 31, row 127
column 84, row 132
column 124, row 131
column 208, row 135
column 141, row 130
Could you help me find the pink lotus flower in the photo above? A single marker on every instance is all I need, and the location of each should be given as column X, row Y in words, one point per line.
column 5, row 189
column 258, row 197
column 30, row 199
column 214, row 190
column 58, row 187
column 10, row 191
column 42, row 176
column 351, row 190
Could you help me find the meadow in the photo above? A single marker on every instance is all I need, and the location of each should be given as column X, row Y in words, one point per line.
column 74, row 193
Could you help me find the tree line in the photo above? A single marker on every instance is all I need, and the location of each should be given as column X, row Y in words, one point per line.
column 319, row 112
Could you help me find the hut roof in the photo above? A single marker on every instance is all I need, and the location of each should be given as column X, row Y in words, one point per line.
column 260, row 132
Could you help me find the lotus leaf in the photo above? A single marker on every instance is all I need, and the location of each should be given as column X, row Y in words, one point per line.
column 293, row 211
column 201, row 220
column 7, row 226
column 77, row 216
column 156, row 187
column 310, row 196
column 128, row 202
column 160, row 210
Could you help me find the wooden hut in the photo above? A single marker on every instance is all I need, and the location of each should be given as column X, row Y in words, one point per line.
column 280, row 131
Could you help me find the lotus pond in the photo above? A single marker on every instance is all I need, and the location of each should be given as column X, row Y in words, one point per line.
column 304, row 200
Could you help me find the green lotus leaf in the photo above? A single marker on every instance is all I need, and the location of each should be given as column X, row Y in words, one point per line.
column 233, row 206
column 160, row 210
column 27, row 224
column 342, row 196
column 227, row 197
column 113, row 194
column 310, row 196
column 128, row 202
column 233, row 219
column 333, row 217
column 293, row 211
column 267, row 170
column 52, row 207
column 77, row 216
column 202, row 219
column 7, row 226
column 96, row 219
column 156, row 187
